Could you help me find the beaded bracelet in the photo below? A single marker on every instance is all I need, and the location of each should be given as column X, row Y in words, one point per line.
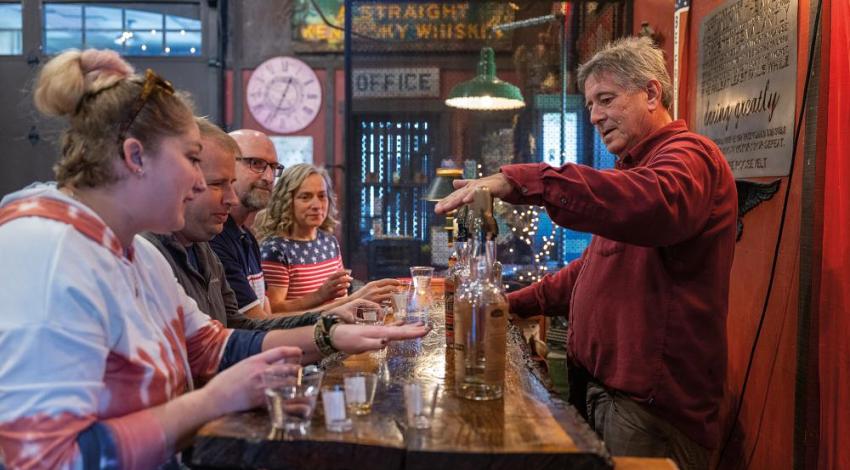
column 322, row 334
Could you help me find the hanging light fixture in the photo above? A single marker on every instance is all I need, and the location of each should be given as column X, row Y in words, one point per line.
column 441, row 186
column 485, row 92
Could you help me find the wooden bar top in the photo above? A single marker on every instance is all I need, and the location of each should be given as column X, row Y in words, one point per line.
column 643, row 463
column 530, row 428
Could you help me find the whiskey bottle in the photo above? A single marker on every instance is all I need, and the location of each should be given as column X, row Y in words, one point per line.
column 481, row 311
column 457, row 272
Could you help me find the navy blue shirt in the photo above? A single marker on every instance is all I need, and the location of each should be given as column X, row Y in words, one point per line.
column 239, row 253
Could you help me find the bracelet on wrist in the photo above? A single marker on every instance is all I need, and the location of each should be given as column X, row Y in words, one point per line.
column 331, row 335
column 322, row 334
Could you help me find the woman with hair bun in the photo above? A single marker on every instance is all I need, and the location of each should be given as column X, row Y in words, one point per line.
column 101, row 348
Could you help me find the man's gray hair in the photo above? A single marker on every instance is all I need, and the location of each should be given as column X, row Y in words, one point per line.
column 632, row 62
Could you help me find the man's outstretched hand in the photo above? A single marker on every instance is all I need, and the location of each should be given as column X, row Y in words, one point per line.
column 497, row 183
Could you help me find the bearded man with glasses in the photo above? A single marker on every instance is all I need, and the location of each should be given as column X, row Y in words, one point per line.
column 236, row 247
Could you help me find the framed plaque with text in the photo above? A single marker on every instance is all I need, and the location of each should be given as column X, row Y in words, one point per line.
column 746, row 84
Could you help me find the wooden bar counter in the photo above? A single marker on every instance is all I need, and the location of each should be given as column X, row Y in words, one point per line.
column 530, row 428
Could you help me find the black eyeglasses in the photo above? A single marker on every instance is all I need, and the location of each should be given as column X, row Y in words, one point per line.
column 152, row 83
column 258, row 165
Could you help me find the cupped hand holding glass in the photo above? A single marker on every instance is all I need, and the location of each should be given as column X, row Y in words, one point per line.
column 345, row 312
column 240, row 387
column 336, row 285
column 377, row 291
column 291, row 394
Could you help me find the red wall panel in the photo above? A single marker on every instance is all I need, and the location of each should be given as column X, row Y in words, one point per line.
column 659, row 14
column 764, row 432
column 834, row 311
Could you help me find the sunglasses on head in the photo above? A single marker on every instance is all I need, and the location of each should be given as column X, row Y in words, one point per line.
column 152, row 83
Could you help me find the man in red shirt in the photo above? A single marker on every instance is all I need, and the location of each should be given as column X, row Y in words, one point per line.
column 647, row 300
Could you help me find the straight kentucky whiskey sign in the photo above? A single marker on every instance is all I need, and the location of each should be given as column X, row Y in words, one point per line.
column 429, row 26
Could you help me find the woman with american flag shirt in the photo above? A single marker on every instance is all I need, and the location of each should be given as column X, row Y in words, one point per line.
column 300, row 255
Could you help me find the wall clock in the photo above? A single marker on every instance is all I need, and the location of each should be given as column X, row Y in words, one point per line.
column 284, row 94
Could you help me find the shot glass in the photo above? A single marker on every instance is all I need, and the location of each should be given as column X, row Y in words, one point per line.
column 359, row 391
column 291, row 394
column 419, row 302
column 400, row 296
column 421, row 276
column 333, row 403
column 420, row 399
column 368, row 315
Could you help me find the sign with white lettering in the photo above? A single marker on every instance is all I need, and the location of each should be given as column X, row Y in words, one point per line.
column 746, row 84
column 421, row 82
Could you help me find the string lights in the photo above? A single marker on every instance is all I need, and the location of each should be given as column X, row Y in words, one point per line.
column 524, row 223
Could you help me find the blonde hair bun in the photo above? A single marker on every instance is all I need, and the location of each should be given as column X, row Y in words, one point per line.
column 102, row 69
column 68, row 77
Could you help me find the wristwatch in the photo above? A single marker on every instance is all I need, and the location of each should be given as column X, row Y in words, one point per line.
column 322, row 334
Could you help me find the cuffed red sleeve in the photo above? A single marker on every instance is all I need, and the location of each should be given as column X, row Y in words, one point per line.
column 550, row 296
column 526, row 179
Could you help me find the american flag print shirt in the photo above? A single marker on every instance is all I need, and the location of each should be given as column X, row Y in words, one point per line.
column 300, row 266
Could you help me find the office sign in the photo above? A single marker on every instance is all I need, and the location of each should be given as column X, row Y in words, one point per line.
column 422, row 82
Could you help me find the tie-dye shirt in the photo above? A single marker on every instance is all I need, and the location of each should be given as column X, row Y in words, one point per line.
column 91, row 336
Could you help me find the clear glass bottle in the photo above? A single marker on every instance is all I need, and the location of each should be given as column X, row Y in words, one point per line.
column 457, row 272
column 481, row 311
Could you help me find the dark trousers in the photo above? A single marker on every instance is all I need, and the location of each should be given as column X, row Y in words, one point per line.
column 627, row 428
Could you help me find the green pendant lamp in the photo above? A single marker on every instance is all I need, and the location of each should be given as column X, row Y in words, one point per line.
column 485, row 92
column 441, row 186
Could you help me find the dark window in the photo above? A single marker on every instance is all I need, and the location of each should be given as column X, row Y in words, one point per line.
column 582, row 145
column 395, row 170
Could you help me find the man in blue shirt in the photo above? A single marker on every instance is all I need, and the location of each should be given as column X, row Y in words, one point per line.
column 236, row 246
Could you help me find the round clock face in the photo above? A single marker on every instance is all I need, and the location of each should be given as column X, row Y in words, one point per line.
column 284, row 94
